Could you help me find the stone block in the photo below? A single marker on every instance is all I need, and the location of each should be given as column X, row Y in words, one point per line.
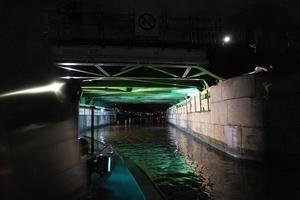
column 216, row 93
column 246, row 112
column 219, row 132
column 253, row 139
column 195, row 125
column 195, row 117
column 189, row 124
column 204, row 117
column 233, row 136
column 259, row 112
column 199, row 128
column 207, row 129
column 182, row 124
column 219, row 113
column 242, row 86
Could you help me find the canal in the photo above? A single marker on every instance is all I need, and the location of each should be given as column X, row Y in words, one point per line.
column 185, row 168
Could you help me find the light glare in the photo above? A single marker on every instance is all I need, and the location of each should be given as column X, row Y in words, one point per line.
column 68, row 64
column 227, row 39
column 53, row 87
column 109, row 164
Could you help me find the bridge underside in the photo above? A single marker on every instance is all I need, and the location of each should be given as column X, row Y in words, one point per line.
column 113, row 75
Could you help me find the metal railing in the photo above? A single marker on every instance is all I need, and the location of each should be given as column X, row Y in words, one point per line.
column 199, row 102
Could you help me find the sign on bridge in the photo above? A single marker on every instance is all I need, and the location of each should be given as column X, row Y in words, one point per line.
column 146, row 24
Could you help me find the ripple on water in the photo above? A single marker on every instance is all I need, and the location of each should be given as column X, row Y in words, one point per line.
column 155, row 150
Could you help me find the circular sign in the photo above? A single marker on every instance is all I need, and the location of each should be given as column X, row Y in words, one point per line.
column 146, row 21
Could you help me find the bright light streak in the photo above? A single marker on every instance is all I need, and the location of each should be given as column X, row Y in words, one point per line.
column 53, row 87
column 68, row 64
column 77, row 77
column 109, row 164
column 227, row 39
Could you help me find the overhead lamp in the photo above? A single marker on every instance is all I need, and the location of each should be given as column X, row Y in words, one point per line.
column 226, row 39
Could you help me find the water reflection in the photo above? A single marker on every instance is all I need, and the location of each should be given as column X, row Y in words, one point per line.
column 231, row 179
column 185, row 168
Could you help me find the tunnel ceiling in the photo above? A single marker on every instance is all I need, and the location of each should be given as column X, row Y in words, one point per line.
column 114, row 83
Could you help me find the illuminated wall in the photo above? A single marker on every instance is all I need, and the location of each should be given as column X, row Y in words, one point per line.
column 230, row 116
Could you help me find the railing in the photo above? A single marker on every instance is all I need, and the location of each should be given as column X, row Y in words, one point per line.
column 101, row 116
column 199, row 102
column 94, row 116
column 98, row 145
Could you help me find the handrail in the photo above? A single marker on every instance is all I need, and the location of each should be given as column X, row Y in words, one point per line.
column 97, row 141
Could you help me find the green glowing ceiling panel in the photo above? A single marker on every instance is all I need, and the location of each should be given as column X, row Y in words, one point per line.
column 113, row 95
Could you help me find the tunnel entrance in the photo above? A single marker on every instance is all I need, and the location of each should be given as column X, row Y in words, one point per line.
column 141, row 92
column 136, row 96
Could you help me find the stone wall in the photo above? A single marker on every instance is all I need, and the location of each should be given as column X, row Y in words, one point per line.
column 232, row 118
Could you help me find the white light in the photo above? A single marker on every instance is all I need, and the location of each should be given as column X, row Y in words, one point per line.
column 226, row 39
column 53, row 87
column 77, row 77
column 109, row 164
column 68, row 64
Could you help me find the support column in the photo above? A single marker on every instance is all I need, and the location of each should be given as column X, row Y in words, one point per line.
column 207, row 97
column 200, row 101
column 92, row 129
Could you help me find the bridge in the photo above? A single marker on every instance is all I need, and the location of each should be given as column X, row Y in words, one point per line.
column 68, row 68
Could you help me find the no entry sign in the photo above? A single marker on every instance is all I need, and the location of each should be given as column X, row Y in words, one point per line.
column 146, row 21
column 146, row 24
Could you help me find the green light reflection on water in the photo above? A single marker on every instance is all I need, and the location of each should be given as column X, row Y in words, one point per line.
column 175, row 174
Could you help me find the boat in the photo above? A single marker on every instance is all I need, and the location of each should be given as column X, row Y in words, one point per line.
column 113, row 176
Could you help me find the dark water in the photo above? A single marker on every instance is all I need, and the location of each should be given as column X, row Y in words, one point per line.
column 185, row 168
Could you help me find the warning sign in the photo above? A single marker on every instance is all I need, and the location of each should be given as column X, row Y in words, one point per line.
column 146, row 24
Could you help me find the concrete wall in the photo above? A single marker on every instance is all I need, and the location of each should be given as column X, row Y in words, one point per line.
column 231, row 118
column 102, row 117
